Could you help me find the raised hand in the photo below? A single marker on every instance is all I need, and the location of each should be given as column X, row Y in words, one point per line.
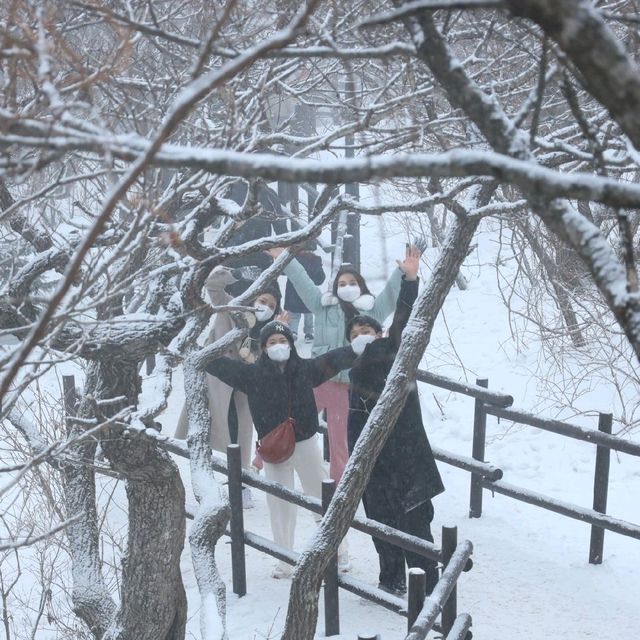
column 411, row 263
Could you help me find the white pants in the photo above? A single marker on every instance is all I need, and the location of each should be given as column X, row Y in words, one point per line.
column 307, row 463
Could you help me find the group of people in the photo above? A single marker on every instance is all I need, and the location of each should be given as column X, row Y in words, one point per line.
column 264, row 382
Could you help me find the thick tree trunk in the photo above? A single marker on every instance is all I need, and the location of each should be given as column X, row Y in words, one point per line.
column 90, row 596
column 153, row 601
column 213, row 512
column 302, row 612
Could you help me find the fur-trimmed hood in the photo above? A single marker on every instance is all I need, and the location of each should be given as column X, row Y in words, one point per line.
column 363, row 303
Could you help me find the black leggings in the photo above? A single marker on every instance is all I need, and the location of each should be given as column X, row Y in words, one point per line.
column 387, row 509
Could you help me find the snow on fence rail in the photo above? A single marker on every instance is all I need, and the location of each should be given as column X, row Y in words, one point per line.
column 496, row 404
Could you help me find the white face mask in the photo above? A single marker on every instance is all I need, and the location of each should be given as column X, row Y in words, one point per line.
column 263, row 312
column 279, row 352
column 349, row 293
column 359, row 343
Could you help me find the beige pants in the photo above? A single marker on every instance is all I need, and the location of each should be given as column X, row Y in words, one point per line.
column 307, row 462
column 220, row 396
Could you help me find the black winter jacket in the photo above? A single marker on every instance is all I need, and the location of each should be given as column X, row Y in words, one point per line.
column 405, row 467
column 268, row 388
column 312, row 264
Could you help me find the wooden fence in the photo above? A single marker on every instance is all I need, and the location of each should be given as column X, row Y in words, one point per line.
column 421, row 611
column 453, row 556
column 491, row 403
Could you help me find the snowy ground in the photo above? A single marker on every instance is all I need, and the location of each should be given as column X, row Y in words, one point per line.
column 531, row 578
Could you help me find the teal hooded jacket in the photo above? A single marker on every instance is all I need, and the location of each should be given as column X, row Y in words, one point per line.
column 329, row 318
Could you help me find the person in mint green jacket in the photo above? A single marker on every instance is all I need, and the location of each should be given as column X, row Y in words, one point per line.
column 332, row 310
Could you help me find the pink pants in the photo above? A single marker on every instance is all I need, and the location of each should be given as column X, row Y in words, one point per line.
column 334, row 397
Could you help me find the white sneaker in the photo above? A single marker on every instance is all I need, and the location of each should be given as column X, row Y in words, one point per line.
column 281, row 570
column 344, row 564
column 247, row 498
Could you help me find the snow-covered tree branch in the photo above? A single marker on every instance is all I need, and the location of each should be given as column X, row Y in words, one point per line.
column 140, row 141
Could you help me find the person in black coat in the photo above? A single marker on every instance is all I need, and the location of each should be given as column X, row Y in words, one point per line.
column 405, row 476
column 280, row 385
column 312, row 264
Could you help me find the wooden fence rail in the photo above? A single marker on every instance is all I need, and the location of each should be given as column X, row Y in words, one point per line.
column 600, row 438
column 495, row 404
column 590, row 516
column 333, row 581
column 434, row 604
column 232, row 468
column 477, row 391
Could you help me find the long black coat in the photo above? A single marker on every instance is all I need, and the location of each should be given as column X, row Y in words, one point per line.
column 405, row 468
column 268, row 388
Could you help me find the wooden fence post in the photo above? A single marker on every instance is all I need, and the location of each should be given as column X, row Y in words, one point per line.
column 369, row 636
column 600, row 490
column 479, row 437
column 234, row 465
column 331, row 596
column 416, row 595
column 450, row 608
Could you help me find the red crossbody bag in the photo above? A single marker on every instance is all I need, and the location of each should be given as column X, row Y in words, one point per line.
column 280, row 443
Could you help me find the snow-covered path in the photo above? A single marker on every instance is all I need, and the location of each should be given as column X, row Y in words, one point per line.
column 530, row 579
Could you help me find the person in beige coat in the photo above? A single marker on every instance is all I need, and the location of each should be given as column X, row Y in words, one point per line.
column 221, row 396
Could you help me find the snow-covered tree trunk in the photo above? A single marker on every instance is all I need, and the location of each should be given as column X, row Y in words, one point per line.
column 90, row 595
column 302, row 611
column 213, row 512
column 153, row 601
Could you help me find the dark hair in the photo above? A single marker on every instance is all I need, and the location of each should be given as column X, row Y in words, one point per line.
column 349, row 310
column 363, row 321
column 273, row 288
